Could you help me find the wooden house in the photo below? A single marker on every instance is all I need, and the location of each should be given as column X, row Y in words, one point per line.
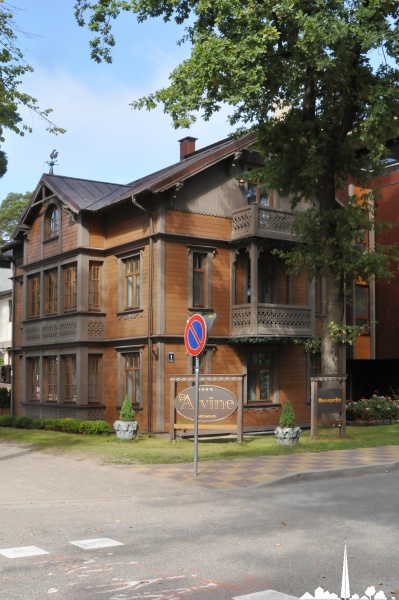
column 106, row 276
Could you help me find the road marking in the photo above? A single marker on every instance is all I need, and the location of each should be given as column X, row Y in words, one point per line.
column 22, row 552
column 96, row 543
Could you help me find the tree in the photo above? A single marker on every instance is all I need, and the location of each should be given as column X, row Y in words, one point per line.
column 11, row 210
column 12, row 67
column 317, row 80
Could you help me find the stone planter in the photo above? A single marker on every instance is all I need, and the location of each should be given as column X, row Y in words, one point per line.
column 287, row 436
column 126, row 430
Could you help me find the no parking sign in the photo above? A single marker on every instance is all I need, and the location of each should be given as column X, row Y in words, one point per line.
column 197, row 331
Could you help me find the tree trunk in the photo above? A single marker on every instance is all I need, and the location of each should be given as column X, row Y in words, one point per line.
column 334, row 307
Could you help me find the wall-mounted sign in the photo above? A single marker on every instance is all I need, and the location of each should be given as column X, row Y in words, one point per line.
column 171, row 357
column 215, row 403
column 329, row 401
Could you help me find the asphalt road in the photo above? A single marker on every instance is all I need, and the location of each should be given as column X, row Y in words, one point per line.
column 176, row 543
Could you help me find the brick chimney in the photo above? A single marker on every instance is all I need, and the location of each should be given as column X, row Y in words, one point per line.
column 187, row 146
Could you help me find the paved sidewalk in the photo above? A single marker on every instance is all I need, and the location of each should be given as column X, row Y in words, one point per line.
column 31, row 477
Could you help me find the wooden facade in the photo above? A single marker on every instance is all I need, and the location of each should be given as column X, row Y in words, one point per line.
column 106, row 277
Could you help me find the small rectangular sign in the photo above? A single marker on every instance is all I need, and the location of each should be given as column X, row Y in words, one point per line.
column 171, row 357
column 329, row 401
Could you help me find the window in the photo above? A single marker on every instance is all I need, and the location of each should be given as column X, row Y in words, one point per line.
column 33, row 368
column 52, row 222
column 70, row 287
column 361, row 305
column 199, row 278
column 34, row 295
column 68, row 365
column 258, row 193
column 10, row 310
column 94, row 378
column 94, row 286
column 50, row 378
column 51, row 282
column 132, row 282
column 259, row 377
column 133, row 377
column 265, row 280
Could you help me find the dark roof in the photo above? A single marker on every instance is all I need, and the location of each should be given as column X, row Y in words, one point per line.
column 94, row 196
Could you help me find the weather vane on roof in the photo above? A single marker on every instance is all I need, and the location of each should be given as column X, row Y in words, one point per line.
column 52, row 162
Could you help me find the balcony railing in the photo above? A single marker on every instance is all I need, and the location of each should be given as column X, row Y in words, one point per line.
column 255, row 220
column 272, row 319
column 64, row 329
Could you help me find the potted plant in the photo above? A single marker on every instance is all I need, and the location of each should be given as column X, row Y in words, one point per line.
column 287, row 433
column 127, row 427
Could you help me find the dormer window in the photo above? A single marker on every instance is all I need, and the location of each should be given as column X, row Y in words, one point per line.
column 52, row 223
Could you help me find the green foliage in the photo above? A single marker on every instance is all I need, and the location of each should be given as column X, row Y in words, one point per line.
column 287, row 417
column 301, row 77
column 7, row 420
column 70, row 425
column 99, row 428
column 311, row 345
column 377, row 408
column 13, row 67
column 5, row 397
column 85, row 427
column 23, row 422
column 11, row 210
column 127, row 411
column 37, row 424
column 48, row 423
column 347, row 334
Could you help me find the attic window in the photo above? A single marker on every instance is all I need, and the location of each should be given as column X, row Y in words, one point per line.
column 52, row 222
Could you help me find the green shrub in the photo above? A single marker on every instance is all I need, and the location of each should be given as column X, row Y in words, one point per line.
column 7, row 420
column 85, row 427
column 48, row 423
column 23, row 422
column 57, row 425
column 70, row 425
column 36, row 424
column 5, row 397
column 99, row 427
column 287, row 418
column 127, row 411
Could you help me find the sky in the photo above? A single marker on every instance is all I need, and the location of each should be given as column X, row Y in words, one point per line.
column 106, row 140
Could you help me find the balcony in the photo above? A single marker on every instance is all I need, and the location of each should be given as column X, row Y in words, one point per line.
column 62, row 329
column 267, row 222
column 272, row 320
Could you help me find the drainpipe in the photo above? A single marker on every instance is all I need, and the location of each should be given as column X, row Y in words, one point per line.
column 150, row 309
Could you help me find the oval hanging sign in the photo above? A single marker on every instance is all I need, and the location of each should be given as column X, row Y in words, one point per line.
column 215, row 403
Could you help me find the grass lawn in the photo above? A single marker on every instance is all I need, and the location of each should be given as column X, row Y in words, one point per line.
column 158, row 450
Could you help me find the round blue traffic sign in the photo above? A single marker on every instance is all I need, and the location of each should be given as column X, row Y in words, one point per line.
column 195, row 335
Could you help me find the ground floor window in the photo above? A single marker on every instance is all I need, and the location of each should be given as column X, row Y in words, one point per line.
column 94, row 378
column 132, row 369
column 68, row 378
column 50, row 378
column 260, row 377
column 33, row 376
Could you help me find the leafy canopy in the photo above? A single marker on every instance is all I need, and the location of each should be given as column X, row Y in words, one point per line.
column 11, row 210
column 13, row 67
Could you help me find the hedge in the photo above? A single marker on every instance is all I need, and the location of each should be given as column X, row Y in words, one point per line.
column 66, row 425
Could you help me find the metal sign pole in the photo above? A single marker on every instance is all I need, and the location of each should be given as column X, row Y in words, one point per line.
column 196, row 415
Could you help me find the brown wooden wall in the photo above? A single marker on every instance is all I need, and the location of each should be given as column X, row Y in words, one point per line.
column 206, row 226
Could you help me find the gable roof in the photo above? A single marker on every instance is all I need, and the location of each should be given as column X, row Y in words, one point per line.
column 93, row 196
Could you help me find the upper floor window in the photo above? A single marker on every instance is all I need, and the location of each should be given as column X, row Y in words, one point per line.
column 52, row 222
column 362, row 305
column 10, row 310
column 34, row 295
column 199, row 278
column 132, row 282
column 51, row 281
column 94, row 286
column 70, row 287
column 259, row 193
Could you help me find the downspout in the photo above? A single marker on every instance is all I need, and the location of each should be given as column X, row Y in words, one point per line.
column 150, row 309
